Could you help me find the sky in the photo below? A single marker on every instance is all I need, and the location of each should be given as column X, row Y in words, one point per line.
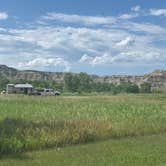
column 103, row 37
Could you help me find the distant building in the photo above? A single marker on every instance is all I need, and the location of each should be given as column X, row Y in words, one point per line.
column 19, row 88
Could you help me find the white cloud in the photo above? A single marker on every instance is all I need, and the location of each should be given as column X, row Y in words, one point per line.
column 140, row 56
column 101, row 60
column 3, row 30
column 125, row 42
column 45, row 62
column 100, row 46
column 85, row 59
column 89, row 20
column 158, row 12
column 3, row 16
column 130, row 56
column 136, row 8
column 68, row 38
column 106, row 58
column 52, row 46
column 148, row 28
column 129, row 16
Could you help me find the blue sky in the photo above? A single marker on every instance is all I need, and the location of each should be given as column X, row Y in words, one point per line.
column 98, row 37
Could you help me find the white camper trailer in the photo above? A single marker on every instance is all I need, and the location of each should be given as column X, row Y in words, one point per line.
column 19, row 88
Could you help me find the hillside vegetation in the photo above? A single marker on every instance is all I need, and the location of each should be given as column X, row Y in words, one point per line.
column 82, row 82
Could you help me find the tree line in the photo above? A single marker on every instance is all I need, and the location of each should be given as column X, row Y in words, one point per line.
column 84, row 83
column 81, row 83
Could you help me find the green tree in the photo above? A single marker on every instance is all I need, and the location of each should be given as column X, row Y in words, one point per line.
column 3, row 83
column 132, row 88
column 71, row 82
column 85, row 82
column 145, row 87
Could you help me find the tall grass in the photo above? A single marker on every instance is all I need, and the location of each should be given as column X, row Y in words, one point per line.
column 20, row 135
column 29, row 123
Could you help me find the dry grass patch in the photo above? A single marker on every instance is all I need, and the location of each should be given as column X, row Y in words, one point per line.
column 20, row 135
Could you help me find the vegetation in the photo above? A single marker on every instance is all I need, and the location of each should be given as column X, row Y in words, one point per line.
column 29, row 123
column 82, row 83
column 3, row 82
column 145, row 88
column 19, row 135
column 139, row 151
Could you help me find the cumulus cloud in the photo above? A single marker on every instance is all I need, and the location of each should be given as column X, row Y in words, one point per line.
column 45, row 62
column 69, row 38
column 128, row 41
column 147, row 28
column 98, row 46
column 85, row 59
column 89, row 20
column 158, row 12
column 129, row 16
column 136, row 8
column 130, row 56
column 103, row 59
column 115, row 41
column 97, row 60
column 3, row 16
column 2, row 29
column 137, row 56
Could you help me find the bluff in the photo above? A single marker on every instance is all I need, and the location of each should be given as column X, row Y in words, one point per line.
column 157, row 79
column 14, row 74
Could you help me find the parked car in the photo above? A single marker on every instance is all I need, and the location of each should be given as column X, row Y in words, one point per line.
column 57, row 93
column 50, row 92
column 35, row 93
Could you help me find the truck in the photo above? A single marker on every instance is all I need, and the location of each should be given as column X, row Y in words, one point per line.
column 50, row 92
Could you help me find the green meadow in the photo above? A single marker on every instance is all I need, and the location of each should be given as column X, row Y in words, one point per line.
column 83, row 130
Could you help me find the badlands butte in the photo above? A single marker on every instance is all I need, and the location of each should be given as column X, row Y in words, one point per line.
column 157, row 79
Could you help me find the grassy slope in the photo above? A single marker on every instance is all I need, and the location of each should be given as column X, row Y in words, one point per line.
column 139, row 151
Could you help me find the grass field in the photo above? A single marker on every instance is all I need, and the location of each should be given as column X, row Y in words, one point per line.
column 140, row 151
column 35, row 123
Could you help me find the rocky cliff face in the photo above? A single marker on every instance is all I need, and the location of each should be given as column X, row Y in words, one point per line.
column 14, row 74
column 7, row 72
column 157, row 78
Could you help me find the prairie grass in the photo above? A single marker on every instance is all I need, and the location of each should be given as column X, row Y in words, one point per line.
column 30, row 123
column 20, row 135
column 135, row 151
